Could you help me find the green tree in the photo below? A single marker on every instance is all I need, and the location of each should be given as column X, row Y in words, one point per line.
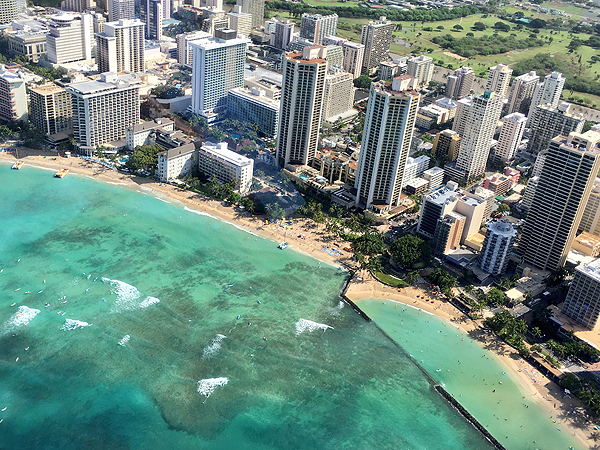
column 234, row 198
column 458, row 27
column 248, row 204
column 502, row 207
column 508, row 328
column 479, row 26
column 411, row 277
column 444, row 281
column 407, row 250
column 495, row 296
column 370, row 243
column 144, row 157
column 362, row 82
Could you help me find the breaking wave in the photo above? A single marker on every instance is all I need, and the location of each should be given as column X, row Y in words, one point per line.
column 208, row 385
column 72, row 324
column 213, row 348
column 124, row 340
column 308, row 325
column 22, row 317
column 128, row 296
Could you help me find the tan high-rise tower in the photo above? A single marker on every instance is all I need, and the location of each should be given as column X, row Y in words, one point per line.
column 567, row 178
column 388, row 130
column 376, row 37
column 301, row 105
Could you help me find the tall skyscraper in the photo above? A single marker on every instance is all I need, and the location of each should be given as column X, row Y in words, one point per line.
column 547, row 122
column 376, row 37
column 560, row 197
column 499, row 79
column 256, row 8
column 315, row 27
column 421, row 67
column 521, row 93
column 121, row 47
column 240, row 21
column 387, row 134
column 184, row 50
column 480, row 126
column 354, row 55
column 76, row 5
column 590, row 221
column 121, row 9
column 282, row 34
column 51, row 109
column 338, row 96
column 583, row 299
column 499, row 240
column 463, row 110
column 103, row 109
column 460, row 83
column 548, row 91
column 510, row 136
column 218, row 66
column 71, row 38
column 301, row 105
column 151, row 13
column 9, row 10
column 13, row 96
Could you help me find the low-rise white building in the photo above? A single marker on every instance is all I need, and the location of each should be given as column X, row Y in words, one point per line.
column 176, row 162
column 225, row 165
column 137, row 134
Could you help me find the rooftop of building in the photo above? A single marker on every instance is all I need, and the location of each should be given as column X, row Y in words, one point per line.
column 434, row 171
column 107, row 82
column 503, row 228
column 386, row 86
column 256, row 95
column 447, row 103
column 417, row 183
column 46, row 89
column 588, row 142
column 178, row 151
column 591, row 270
column 10, row 76
column 211, row 43
column 442, row 196
column 311, row 54
column 221, row 150
column 588, row 240
column 150, row 125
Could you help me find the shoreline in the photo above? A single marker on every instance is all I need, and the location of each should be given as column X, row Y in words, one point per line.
column 359, row 287
column 542, row 392
column 315, row 235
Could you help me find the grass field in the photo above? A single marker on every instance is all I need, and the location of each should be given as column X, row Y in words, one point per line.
column 349, row 3
column 420, row 40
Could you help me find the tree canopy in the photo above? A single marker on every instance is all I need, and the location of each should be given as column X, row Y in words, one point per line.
column 144, row 157
column 409, row 249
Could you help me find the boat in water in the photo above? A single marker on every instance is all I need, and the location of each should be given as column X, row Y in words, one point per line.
column 17, row 165
column 61, row 173
column 283, row 245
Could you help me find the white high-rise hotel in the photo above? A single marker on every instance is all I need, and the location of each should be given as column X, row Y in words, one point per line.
column 121, row 47
column 71, row 38
column 388, row 130
column 218, row 67
column 510, row 135
column 104, row 109
column 479, row 127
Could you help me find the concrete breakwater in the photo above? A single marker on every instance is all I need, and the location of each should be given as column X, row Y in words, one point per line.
column 439, row 389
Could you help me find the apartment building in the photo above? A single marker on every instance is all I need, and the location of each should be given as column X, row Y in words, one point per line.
column 499, row 79
column 583, row 299
column 120, row 48
column 376, row 36
column 13, row 96
column 301, row 105
column 497, row 246
column 314, row 27
column 460, row 83
column 177, row 162
column 387, row 135
column 225, row 165
column 338, row 97
column 51, row 109
column 421, row 67
column 510, row 137
column 252, row 105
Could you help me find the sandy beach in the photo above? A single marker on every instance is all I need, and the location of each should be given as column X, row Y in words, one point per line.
column 310, row 238
column 545, row 392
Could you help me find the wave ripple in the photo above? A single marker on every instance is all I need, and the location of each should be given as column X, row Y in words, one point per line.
column 213, row 348
column 22, row 317
column 308, row 325
column 208, row 385
column 128, row 296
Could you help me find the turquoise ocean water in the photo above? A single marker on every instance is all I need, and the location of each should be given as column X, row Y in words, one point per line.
column 142, row 325
column 472, row 375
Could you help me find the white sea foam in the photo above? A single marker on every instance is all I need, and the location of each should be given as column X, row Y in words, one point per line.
column 200, row 213
column 149, row 301
column 72, row 324
column 23, row 315
column 124, row 340
column 128, row 296
column 213, row 348
column 308, row 325
column 208, row 385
